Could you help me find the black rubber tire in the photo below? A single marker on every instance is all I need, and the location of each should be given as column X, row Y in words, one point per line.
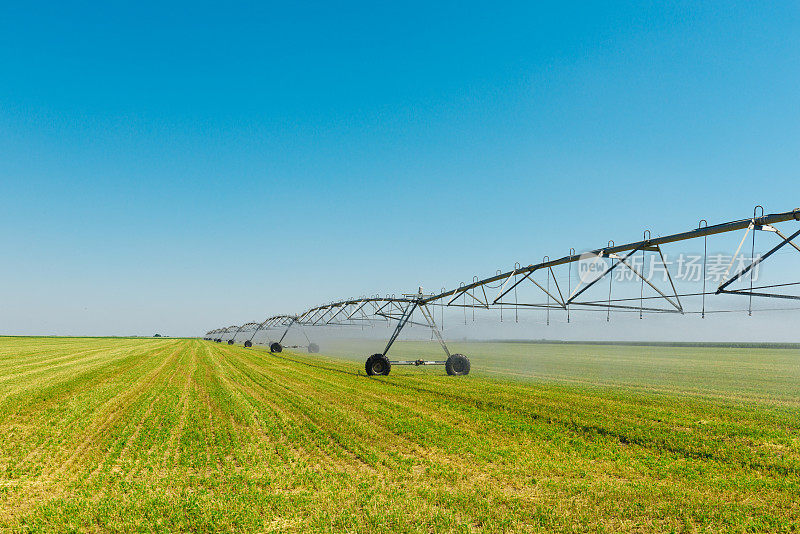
column 248, row 343
column 218, row 340
column 457, row 365
column 378, row 365
column 275, row 347
column 230, row 342
column 313, row 348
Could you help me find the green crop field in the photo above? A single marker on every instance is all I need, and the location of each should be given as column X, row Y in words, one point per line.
column 186, row 435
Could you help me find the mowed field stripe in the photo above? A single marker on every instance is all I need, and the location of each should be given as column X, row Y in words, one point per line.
column 68, row 401
column 70, row 450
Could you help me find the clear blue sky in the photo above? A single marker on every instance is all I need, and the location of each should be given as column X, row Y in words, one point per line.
column 175, row 166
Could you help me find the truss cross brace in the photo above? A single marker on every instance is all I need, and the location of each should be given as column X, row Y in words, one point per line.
column 755, row 262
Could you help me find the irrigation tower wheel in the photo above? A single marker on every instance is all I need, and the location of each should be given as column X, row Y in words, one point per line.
column 275, row 347
column 248, row 343
column 378, row 365
column 457, row 365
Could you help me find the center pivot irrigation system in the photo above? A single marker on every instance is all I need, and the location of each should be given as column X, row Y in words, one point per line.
column 474, row 295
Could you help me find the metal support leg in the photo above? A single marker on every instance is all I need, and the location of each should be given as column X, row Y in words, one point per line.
column 285, row 332
column 400, row 324
column 305, row 334
column 429, row 317
column 255, row 332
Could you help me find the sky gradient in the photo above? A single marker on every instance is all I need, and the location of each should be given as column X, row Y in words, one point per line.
column 170, row 167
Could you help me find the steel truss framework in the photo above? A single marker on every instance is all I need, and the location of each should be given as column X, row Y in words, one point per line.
column 496, row 292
